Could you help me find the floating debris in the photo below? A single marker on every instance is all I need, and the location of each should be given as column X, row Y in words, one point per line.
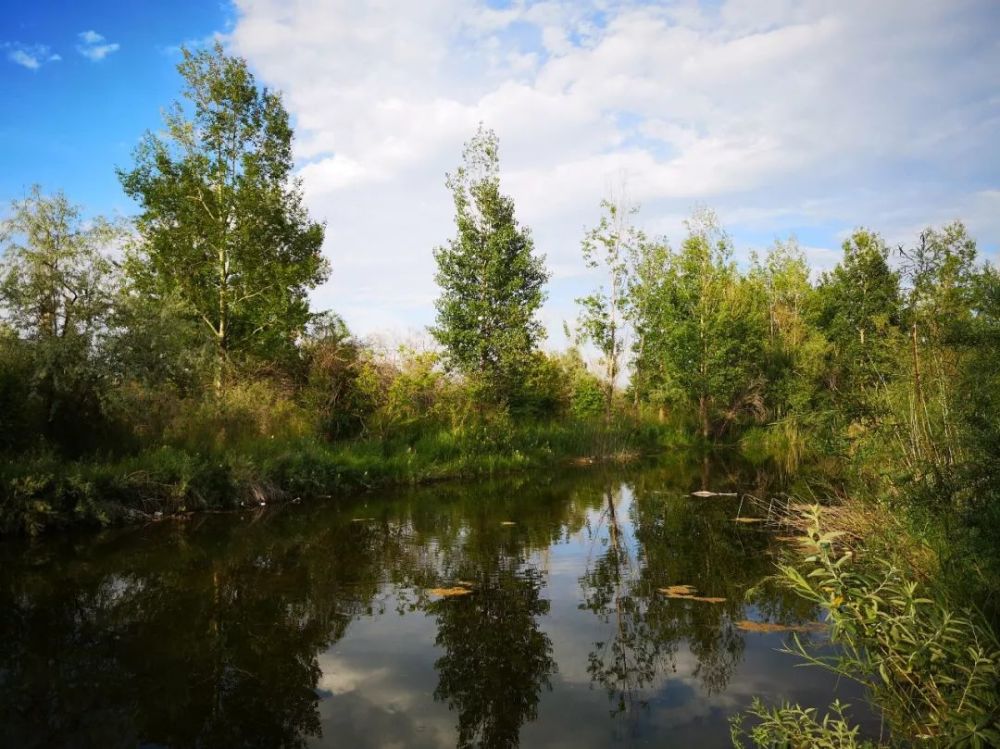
column 678, row 590
column 706, row 493
column 748, row 520
column 450, row 592
column 686, row 592
column 507, row 522
column 748, row 626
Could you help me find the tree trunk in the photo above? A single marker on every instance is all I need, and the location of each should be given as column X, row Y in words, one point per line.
column 613, row 353
column 223, row 330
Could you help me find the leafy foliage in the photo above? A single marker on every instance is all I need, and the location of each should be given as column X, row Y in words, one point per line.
column 702, row 332
column 222, row 222
column 935, row 673
column 793, row 726
column 611, row 246
column 57, row 287
column 492, row 283
column 858, row 307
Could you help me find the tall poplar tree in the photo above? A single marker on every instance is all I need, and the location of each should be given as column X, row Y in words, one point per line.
column 492, row 282
column 222, row 219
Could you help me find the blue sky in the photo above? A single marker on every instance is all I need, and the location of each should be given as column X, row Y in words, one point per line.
column 804, row 117
column 69, row 122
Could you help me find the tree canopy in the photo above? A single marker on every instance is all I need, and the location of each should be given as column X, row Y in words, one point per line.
column 491, row 280
column 222, row 221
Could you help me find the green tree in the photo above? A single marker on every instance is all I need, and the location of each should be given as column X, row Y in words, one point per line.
column 54, row 280
column 650, row 274
column 939, row 273
column 859, row 311
column 704, row 332
column 56, row 296
column 222, row 220
column 978, row 484
column 492, row 282
column 795, row 351
column 609, row 246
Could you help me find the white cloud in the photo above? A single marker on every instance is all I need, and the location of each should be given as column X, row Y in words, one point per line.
column 809, row 116
column 94, row 47
column 24, row 59
column 30, row 56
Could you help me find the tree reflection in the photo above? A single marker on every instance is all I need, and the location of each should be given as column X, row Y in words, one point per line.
column 207, row 644
column 630, row 659
column 649, row 535
column 496, row 659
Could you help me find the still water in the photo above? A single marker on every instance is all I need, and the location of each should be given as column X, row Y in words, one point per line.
column 524, row 612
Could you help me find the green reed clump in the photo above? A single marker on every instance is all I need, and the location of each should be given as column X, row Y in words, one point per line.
column 934, row 672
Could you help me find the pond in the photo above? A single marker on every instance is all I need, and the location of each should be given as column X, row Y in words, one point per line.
column 528, row 611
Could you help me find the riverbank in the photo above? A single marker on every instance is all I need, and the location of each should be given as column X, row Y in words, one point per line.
column 44, row 492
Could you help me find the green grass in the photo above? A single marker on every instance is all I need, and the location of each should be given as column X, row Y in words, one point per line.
column 43, row 491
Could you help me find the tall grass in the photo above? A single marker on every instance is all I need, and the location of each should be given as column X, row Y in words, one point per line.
column 201, row 471
column 785, row 443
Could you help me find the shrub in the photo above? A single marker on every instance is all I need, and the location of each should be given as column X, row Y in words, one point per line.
column 19, row 417
column 792, row 726
column 934, row 673
column 241, row 414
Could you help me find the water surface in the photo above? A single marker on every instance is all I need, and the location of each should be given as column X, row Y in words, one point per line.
column 321, row 624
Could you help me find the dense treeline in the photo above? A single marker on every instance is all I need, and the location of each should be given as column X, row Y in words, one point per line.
column 888, row 359
column 188, row 332
column 887, row 362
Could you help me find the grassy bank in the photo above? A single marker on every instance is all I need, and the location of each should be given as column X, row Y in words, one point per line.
column 43, row 491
